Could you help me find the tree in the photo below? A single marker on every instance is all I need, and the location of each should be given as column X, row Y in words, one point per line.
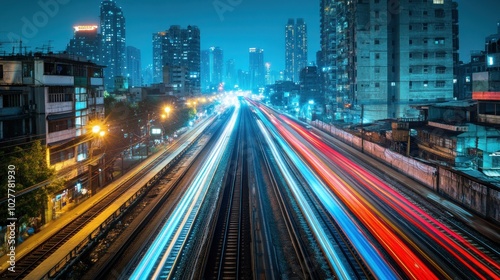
column 31, row 168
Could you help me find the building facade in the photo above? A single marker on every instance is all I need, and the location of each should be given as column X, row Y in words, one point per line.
column 178, row 47
column 295, row 48
column 256, row 69
column 113, row 48
column 388, row 57
column 134, row 67
column 54, row 98
column 212, row 69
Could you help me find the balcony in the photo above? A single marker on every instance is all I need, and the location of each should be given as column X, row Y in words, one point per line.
column 59, row 107
column 62, row 135
column 58, row 80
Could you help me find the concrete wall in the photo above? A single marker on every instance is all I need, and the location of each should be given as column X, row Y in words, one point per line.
column 470, row 193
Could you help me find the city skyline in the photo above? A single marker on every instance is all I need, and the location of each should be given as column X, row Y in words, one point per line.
column 234, row 27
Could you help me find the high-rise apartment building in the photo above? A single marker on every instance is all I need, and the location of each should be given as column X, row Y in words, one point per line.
column 257, row 70
column 113, row 42
column 134, row 66
column 326, row 58
column 230, row 81
column 390, row 57
column 86, row 43
column 295, row 48
column 180, row 48
column 212, row 65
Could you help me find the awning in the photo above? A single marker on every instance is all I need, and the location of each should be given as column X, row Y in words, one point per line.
column 53, row 117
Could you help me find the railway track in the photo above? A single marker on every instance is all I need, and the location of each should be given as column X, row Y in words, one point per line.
column 30, row 261
column 230, row 252
column 153, row 221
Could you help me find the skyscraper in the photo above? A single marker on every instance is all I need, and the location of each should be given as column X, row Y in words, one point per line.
column 390, row 57
column 113, row 42
column 212, row 64
column 178, row 47
column 86, row 43
column 256, row 68
column 327, row 57
column 295, row 48
column 230, row 80
column 134, row 66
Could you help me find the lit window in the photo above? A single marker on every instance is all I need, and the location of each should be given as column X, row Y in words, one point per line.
column 438, row 1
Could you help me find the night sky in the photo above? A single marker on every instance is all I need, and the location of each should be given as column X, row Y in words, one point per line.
column 246, row 23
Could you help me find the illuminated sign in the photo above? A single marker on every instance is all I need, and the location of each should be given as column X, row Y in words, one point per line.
column 85, row 27
column 486, row 95
column 155, row 131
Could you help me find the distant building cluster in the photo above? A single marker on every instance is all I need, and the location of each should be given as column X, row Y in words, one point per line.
column 108, row 48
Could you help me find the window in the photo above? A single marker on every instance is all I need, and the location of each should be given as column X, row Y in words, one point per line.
column 440, row 55
column 426, row 55
column 439, row 26
column 12, row 100
column 410, row 84
column 439, row 41
column 64, row 124
column 425, row 69
column 424, row 13
column 28, row 69
column 424, row 26
column 377, row 56
column 377, row 85
column 439, row 13
column 377, row 42
column 440, row 70
column 410, row 55
column 440, row 84
column 377, row 70
column 437, row 1
column 377, row 14
column 410, row 70
column 410, row 42
column 376, row 27
column 426, row 83
column 60, row 94
column 410, row 27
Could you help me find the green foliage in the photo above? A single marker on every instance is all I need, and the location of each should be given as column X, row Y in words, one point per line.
column 31, row 168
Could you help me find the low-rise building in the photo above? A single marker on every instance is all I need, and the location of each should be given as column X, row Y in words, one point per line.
column 54, row 98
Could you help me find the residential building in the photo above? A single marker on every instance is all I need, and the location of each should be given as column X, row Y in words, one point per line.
column 295, row 48
column 134, row 67
column 113, row 49
column 212, row 65
column 326, row 58
column 86, row 43
column 389, row 57
column 177, row 78
column 256, row 68
column 181, row 48
column 231, row 78
column 309, row 86
column 54, row 98
column 463, row 81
